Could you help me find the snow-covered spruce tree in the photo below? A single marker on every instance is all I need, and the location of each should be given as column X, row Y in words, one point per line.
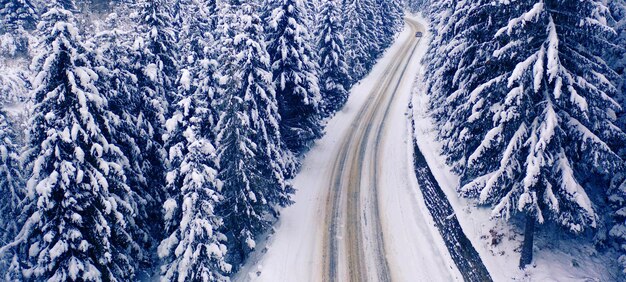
column 196, row 37
column 118, row 83
column 391, row 15
column 461, row 51
column 415, row 6
column 16, row 18
column 618, row 230
column 11, row 188
column 544, row 114
column 295, row 74
column 334, row 74
column 224, row 30
column 374, row 21
column 13, row 211
column 194, row 249
column 441, row 14
column 151, row 63
column 14, row 86
column 616, row 57
column 313, row 9
column 360, row 37
column 157, row 44
column 16, row 15
column 198, row 54
column 249, row 144
column 440, row 67
column 77, row 231
column 115, row 58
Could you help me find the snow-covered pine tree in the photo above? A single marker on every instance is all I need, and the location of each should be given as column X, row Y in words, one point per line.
column 461, row 51
column 295, row 74
column 117, row 81
column 16, row 18
column 194, row 249
column 249, row 144
column 334, row 74
column 543, row 111
column 360, row 37
column 616, row 57
column 16, row 15
column 148, row 70
column 11, row 187
column 77, row 231
column 391, row 14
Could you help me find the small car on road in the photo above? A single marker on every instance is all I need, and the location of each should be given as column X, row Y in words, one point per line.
column 419, row 34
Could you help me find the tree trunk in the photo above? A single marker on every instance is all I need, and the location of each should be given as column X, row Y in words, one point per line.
column 527, row 246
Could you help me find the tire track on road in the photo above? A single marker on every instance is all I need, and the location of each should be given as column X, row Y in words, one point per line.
column 354, row 147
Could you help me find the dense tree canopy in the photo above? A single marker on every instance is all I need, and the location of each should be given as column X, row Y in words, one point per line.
column 162, row 134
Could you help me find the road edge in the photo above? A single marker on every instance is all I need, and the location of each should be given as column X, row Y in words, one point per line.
column 460, row 248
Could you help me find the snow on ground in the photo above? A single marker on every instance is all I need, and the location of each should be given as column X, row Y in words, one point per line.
column 415, row 251
column 558, row 257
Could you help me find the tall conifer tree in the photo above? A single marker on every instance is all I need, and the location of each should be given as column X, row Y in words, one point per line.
column 334, row 76
column 532, row 110
column 295, row 74
column 77, row 231
column 249, row 146
column 194, row 249
column 11, row 188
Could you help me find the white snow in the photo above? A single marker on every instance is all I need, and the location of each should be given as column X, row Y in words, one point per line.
column 169, row 208
column 415, row 251
column 529, row 16
column 151, row 72
column 185, row 79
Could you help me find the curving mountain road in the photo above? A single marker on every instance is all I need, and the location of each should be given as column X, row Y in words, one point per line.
column 354, row 246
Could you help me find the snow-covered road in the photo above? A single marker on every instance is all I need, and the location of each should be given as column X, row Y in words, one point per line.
column 359, row 215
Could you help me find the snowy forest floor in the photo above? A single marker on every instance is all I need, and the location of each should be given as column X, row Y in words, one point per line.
column 557, row 257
